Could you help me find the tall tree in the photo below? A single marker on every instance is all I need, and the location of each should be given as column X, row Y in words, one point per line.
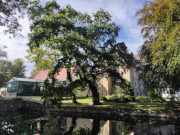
column 5, row 73
column 160, row 21
column 10, row 69
column 18, row 68
column 81, row 39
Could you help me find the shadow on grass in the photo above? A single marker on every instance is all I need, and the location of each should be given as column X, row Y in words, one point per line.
column 131, row 105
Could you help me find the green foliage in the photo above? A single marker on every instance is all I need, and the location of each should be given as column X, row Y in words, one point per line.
column 158, row 99
column 152, row 94
column 102, row 97
column 82, row 131
column 114, row 97
column 143, row 99
column 78, row 39
column 126, row 128
column 18, row 68
column 126, row 91
column 10, row 12
column 161, row 50
column 130, row 98
column 3, row 53
column 14, row 123
column 10, row 69
column 5, row 74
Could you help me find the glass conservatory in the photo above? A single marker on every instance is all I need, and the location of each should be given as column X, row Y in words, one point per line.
column 25, row 87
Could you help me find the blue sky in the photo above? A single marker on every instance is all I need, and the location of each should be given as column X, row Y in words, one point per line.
column 122, row 12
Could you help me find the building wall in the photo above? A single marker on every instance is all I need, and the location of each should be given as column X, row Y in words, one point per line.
column 126, row 74
column 105, row 86
column 132, row 75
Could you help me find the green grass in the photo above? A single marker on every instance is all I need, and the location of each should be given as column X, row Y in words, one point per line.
column 89, row 99
column 76, row 105
column 168, row 100
column 130, row 105
column 1, row 97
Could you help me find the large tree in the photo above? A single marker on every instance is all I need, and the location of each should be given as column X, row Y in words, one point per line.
column 160, row 21
column 88, row 42
column 18, row 68
column 4, row 72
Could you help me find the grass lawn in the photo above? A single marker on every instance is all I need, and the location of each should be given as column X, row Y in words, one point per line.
column 89, row 99
column 87, row 102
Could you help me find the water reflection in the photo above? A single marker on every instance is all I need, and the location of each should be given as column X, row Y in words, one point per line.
column 81, row 126
column 13, row 123
column 18, row 124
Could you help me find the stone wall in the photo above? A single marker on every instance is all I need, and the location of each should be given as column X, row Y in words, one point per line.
column 20, row 105
column 111, row 112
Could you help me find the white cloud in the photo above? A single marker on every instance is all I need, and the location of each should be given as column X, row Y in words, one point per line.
column 122, row 12
column 16, row 47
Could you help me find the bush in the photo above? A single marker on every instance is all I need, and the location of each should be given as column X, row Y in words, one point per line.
column 158, row 99
column 151, row 94
column 154, row 97
column 102, row 97
column 130, row 98
column 143, row 99
column 114, row 97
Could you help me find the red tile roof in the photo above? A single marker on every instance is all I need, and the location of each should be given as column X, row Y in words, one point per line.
column 43, row 75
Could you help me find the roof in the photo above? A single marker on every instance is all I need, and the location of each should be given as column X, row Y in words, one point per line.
column 24, row 80
column 41, row 75
column 62, row 75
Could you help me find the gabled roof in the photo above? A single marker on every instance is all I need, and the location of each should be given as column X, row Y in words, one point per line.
column 43, row 75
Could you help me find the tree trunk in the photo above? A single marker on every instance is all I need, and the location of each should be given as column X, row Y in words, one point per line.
column 95, row 127
column 95, row 94
column 69, row 78
column 74, row 99
column 73, row 124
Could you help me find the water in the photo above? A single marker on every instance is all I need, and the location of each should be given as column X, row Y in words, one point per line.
column 13, row 123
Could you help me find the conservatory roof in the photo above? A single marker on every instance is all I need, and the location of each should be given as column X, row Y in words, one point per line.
column 24, row 80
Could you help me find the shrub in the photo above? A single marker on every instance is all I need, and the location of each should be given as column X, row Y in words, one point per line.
column 158, row 99
column 130, row 98
column 143, row 99
column 101, row 97
column 126, row 91
column 154, row 97
column 114, row 97
column 105, row 99
column 152, row 94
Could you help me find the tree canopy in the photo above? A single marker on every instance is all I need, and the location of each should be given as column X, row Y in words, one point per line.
column 10, row 69
column 76, row 38
column 10, row 11
column 160, row 21
column 3, row 53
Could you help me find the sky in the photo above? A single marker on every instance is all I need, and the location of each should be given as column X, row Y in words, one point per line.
column 122, row 12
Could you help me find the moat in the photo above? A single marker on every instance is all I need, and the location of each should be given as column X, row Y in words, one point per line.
column 35, row 123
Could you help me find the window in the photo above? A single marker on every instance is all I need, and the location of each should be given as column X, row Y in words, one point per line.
column 135, row 84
